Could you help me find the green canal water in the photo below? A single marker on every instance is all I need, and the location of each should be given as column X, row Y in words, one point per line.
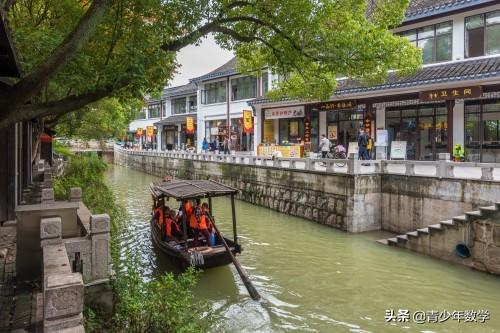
column 313, row 278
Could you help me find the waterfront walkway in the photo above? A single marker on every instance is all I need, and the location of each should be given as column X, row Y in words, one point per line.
column 437, row 169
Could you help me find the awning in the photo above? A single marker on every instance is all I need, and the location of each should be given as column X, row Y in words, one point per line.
column 176, row 119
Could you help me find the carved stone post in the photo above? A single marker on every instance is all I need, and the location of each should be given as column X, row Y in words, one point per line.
column 99, row 229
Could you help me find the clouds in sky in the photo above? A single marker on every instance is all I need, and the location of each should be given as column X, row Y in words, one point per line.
column 198, row 60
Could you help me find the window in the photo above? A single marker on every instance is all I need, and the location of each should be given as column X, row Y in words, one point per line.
column 141, row 114
column 193, row 103
column 434, row 40
column 214, row 93
column 482, row 34
column 154, row 110
column 243, row 88
column 179, row 105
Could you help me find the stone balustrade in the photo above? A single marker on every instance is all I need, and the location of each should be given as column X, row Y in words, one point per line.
column 438, row 169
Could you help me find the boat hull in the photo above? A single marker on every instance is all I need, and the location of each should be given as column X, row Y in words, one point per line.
column 205, row 258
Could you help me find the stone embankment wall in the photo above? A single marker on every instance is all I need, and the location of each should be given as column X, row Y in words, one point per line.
column 410, row 203
column 347, row 202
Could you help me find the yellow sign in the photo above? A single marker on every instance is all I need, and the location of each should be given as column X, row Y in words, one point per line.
column 269, row 131
column 150, row 131
column 332, row 132
column 247, row 121
column 293, row 151
column 189, row 125
column 139, row 131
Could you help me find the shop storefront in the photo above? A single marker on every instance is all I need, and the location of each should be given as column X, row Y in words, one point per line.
column 216, row 131
column 482, row 130
column 170, row 137
column 178, row 132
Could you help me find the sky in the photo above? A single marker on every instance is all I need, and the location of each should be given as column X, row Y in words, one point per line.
column 198, row 60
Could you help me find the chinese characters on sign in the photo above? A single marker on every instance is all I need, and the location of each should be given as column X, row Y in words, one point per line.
column 139, row 131
column 247, row 121
column 289, row 112
column 189, row 125
column 433, row 316
column 340, row 105
column 332, row 132
column 367, row 124
column 150, row 131
column 450, row 94
column 307, row 129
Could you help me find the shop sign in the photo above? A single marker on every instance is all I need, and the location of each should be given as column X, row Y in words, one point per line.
column 214, row 131
column 150, row 131
column 337, row 105
column 139, row 131
column 367, row 124
column 248, row 121
column 307, row 129
column 332, row 132
column 189, row 125
column 288, row 112
column 450, row 94
column 170, row 128
column 268, row 131
column 382, row 136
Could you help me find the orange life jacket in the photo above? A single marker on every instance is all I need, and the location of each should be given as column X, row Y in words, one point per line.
column 193, row 223
column 168, row 226
column 203, row 222
column 188, row 209
column 159, row 210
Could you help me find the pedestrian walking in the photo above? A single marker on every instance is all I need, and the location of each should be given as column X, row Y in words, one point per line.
column 324, row 146
column 362, row 145
column 225, row 145
column 204, row 145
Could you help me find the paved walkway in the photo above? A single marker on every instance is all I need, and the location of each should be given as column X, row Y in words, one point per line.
column 17, row 299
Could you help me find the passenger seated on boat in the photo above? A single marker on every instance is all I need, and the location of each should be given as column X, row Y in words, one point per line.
column 164, row 215
column 205, row 225
column 193, row 220
column 202, row 223
column 187, row 208
column 158, row 212
column 172, row 230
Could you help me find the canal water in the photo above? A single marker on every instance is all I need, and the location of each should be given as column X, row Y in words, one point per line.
column 316, row 279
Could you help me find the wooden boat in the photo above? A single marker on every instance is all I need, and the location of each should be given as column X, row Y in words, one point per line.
column 182, row 252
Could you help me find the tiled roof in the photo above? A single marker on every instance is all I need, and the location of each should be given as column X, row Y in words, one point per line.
column 418, row 9
column 176, row 119
column 229, row 68
column 451, row 72
column 186, row 89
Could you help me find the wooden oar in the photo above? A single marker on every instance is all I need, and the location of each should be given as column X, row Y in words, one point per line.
column 241, row 271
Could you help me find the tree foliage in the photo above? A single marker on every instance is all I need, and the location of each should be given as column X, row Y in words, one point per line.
column 77, row 52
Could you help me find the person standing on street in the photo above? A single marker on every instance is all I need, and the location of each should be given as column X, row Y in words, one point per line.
column 362, row 145
column 324, row 146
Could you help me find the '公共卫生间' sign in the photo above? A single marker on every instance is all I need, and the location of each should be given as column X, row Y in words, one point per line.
column 450, row 94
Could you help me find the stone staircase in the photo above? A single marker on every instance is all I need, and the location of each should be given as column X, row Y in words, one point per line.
column 479, row 230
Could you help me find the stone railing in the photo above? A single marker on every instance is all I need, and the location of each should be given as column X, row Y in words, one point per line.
column 438, row 169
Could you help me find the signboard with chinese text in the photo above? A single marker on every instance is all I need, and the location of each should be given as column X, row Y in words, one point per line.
column 307, row 129
column 247, row 121
column 139, row 131
column 367, row 124
column 336, row 105
column 268, row 131
column 332, row 132
column 381, row 139
column 450, row 94
column 288, row 112
column 150, row 131
column 189, row 125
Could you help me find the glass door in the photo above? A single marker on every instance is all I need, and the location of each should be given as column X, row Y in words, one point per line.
column 425, row 147
column 441, row 131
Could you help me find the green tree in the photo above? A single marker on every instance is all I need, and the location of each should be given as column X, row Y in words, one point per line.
column 78, row 52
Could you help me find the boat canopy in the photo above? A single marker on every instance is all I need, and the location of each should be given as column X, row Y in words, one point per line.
column 191, row 189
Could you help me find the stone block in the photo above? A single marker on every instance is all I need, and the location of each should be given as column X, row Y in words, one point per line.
column 75, row 194
column 63, row 295
column 47, row 195
column 63, row 324
column 50, row 228
column 100, row 256
column 331, row 220
column 339, row 208
column 496, row 235
column 99, row 223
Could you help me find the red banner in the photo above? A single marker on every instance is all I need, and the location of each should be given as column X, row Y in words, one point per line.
column 189, row 125
column 247, row 121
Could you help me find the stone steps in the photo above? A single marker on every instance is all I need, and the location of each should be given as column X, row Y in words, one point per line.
column 413, row 237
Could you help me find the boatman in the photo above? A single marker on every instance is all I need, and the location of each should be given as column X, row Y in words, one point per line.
column 194, row 220
column 172, row 230
column 205, row 223
column 187, row 209
column 158, row 212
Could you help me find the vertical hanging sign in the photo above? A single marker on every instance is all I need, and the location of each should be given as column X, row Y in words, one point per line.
column 150, row 131
column 189, row 125
column 247, row 121
column 139, row 131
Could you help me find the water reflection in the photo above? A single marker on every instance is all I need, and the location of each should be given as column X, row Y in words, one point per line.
column 313, row 278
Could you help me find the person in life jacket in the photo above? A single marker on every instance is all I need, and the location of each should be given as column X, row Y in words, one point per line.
column 205, row 226
column 171, row 229
column 158, row 212
column 194, row 220
column 186, row 210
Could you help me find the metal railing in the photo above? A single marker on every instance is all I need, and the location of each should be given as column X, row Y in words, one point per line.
column 438, row 169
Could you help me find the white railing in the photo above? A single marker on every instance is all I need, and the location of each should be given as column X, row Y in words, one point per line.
column 438, row 169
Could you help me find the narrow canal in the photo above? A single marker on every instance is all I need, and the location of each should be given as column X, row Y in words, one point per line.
column 313, row 278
